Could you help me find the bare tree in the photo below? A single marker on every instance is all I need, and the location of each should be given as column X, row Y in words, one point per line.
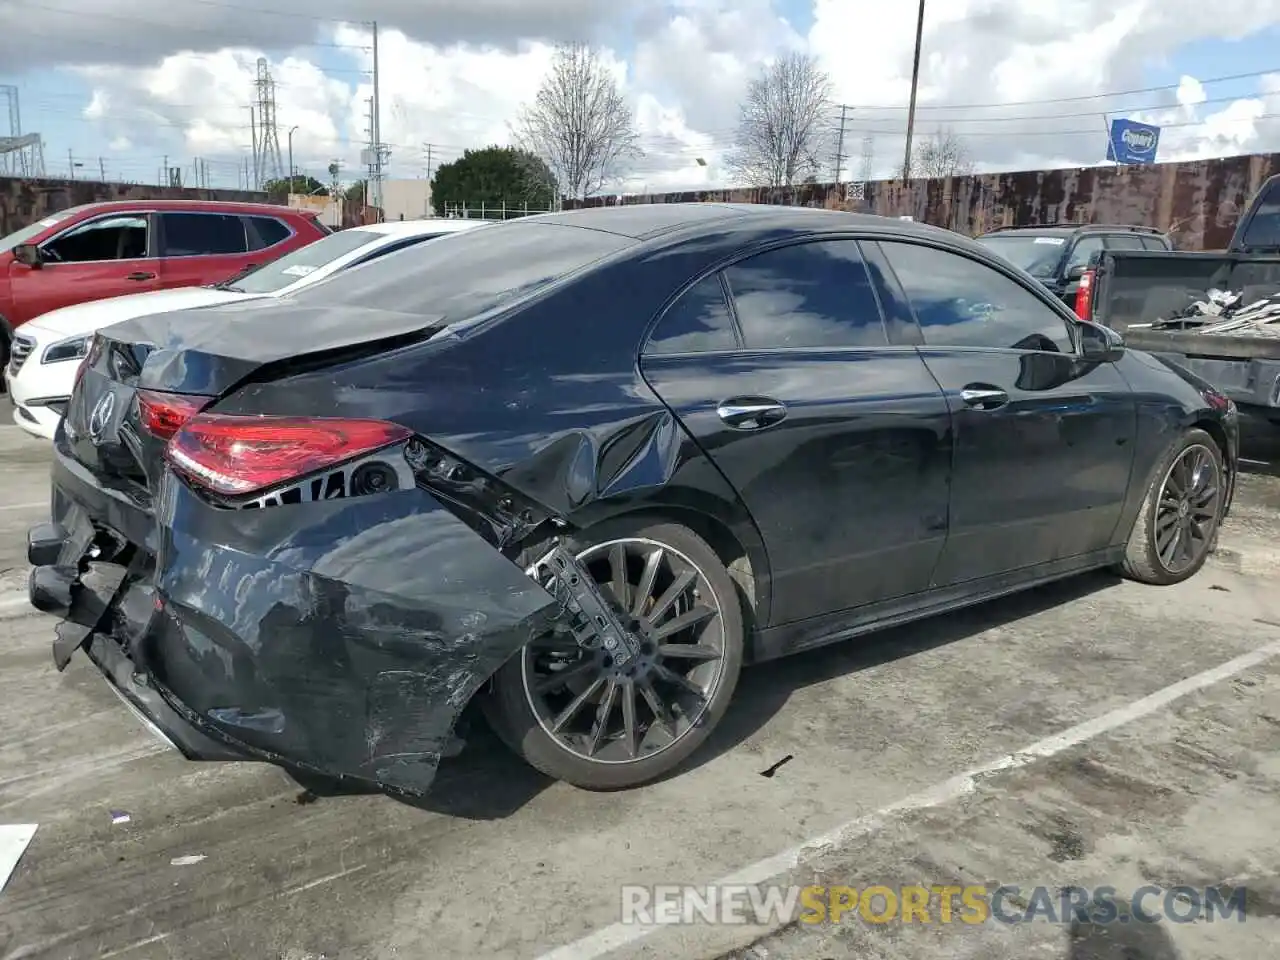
column 784, row 124
column 579, row 124
column 942, row 155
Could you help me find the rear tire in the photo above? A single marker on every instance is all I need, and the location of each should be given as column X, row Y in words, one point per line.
column 1177, row 527
column 640, row 739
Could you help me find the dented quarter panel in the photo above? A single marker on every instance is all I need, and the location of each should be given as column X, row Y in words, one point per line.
column 347, row 635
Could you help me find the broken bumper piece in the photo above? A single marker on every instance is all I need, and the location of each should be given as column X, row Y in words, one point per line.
column 343, row 637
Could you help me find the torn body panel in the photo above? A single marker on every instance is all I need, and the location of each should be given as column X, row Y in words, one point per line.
column 343, row 636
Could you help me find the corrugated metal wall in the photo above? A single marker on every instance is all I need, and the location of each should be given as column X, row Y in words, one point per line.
column 1198, row 203
column 26, row 201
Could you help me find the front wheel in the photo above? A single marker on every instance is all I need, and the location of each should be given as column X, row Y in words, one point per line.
column 571, row 710
column 1177, row 527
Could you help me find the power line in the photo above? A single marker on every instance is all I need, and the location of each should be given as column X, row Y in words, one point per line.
column 1251, row 75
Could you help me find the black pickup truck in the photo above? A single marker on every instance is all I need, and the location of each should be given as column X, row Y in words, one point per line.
column 1158, row 302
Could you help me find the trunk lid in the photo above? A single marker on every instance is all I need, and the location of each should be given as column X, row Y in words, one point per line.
column 198, row 355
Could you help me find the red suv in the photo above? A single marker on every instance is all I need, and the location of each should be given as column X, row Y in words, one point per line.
column 118, row 247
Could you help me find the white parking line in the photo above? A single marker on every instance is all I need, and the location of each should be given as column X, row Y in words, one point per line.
column 31, row 505
column 615, row 937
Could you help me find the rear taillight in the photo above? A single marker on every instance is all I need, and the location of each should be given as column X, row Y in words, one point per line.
column 1084, row 295
column 235, row 455
column 163, row 414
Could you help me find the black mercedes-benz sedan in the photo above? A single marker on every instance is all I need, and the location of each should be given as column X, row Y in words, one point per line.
column 584, row 467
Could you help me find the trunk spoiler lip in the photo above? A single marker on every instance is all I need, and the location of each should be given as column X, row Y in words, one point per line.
column 219, row 353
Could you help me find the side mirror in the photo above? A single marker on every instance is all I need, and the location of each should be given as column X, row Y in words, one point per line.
column 1099, row 344
column 29, row 254
column 1075, row 273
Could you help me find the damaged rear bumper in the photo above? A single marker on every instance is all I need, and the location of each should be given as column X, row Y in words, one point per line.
column 342, row 637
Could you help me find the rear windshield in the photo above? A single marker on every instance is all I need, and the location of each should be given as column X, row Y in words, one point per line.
column 292, row 267
column 468, row 273
column 1039, row 256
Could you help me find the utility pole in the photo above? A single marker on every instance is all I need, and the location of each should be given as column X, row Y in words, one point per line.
column 844, row 112
column 427, row 148
column 377, row 128
column 102, row 170
column 71, row 163
column 915, row 82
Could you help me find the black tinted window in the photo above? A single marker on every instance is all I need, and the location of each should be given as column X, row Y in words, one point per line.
column 1150, row 242
column 1264, row 228
column 193, row 234
column 470, row 273
column 1085, row 248
column 963, row 303
column 270, row 231
column 1125, row 241
column 696, row 323
column 808, row 295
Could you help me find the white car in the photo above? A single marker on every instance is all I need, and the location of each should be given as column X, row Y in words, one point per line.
column 47, row 350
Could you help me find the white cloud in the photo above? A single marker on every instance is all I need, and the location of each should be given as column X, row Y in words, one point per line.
column 1014, row 80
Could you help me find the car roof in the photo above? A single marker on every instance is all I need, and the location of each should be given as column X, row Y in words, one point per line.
column 193, row 206
column 649, row 221
column 414, row 228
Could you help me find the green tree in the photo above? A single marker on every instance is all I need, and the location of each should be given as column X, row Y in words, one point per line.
column 355, row 193
column 493, row 176
column 299, row 183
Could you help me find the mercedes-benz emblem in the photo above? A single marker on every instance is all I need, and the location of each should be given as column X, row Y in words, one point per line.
column 101, row 416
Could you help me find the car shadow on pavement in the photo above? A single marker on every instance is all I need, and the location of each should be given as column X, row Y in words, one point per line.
column 765, row 689
column 1120, row 941
column 486, row 781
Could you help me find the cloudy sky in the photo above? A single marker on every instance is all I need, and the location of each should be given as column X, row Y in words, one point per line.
column 123, row 87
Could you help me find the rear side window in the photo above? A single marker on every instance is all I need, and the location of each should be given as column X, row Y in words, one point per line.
column 1085, row 248
column 269, row 231
column 1125, row 241
column 473, row 272
column 807, row 295
column 1155, row 243
column 203, row 234
column 698, row 322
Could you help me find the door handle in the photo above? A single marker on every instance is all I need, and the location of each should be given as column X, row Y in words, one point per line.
column 141, row 275
column 751, row 413
column 983, row 398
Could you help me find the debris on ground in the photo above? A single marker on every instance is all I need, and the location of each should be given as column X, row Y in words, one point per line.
column 1223, row 312
column 119, row 816
column 774, row 769
column 187, row 860
column 14, row 839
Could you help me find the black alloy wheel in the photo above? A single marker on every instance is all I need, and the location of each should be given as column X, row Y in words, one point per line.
column 583, row 709
column 1187, row 509
column 1177, row 526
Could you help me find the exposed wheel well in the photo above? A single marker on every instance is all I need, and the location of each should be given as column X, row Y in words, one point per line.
column 726, row 546
column 1213, row 429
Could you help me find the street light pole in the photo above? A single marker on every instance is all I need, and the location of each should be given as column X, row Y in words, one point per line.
column 291, row 129
column 915, row 82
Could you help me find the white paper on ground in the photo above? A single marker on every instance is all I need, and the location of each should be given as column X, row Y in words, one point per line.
column 13, row 844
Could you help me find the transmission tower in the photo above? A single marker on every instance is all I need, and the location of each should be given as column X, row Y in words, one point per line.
column 21, row 155
column 868, row 159
column 267, row 160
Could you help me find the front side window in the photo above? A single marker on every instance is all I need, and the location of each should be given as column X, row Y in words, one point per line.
column 807, row 295
column 960, row 302
column 698, row 322
column 122, row 237
column 203, row 234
